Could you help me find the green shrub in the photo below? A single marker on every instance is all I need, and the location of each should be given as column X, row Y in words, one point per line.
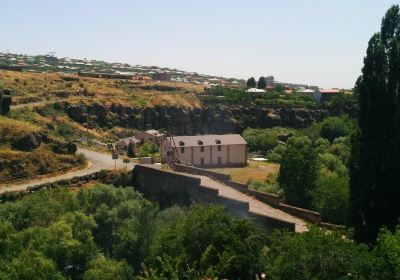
column 334, row 127
column 81, row 158
column 267, row 187
column 65, row 130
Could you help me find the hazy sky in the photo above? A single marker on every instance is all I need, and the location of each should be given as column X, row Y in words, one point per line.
column 320, row 42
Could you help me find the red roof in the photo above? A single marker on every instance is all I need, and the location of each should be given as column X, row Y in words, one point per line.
column 329, row 91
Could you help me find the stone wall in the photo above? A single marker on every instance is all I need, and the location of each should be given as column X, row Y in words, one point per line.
column 311, row 216
column 271, row 199
column 199, row 171
column 103, row 176
column 169, row 188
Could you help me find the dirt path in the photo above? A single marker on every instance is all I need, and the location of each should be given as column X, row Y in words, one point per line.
column 255, row 205
column 98, row 161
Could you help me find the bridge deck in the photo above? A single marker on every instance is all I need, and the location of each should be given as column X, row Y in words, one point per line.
column 255, row 205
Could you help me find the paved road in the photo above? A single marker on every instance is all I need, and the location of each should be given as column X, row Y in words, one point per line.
column 255, row 205
column 98, row 161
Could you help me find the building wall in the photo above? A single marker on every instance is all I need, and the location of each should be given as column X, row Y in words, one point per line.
column 229, row 154
column 326, row 97
column 148, row 137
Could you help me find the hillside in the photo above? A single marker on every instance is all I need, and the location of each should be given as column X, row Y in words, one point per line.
column 51, row 63
column 45, row 87
column 26, row 152
column 62, row 104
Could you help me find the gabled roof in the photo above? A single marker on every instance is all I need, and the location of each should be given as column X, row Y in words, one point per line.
column 207, row 140
column 306, row 91
column 154, row 132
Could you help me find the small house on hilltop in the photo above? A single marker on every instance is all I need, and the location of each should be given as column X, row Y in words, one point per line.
column 314, row 94
column 327, row 94
column 205, row 150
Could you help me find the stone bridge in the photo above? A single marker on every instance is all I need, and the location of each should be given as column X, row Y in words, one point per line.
column 177, row 188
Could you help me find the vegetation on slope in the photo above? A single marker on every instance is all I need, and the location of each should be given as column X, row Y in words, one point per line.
column 45, row 87
column 105, row 232
column 23, row 155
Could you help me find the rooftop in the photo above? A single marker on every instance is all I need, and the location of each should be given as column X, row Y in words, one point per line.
column 208, row 140
column 330, row 91
column 255, row 90
column 154, row 132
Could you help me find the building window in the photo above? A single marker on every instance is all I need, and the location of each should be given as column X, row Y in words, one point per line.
column 219, row 148
column 219, row 161
column 202, row 149
column 182, row 150
column 202, row 161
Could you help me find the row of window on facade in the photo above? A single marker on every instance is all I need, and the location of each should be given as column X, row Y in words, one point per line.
column 201, row 149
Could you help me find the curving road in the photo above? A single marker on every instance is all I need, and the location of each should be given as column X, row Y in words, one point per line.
column 97, row 162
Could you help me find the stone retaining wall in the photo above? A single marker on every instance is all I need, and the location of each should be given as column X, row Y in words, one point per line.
column 271, row 199
column 199, row 171
column 308, row 215
column 169, row 188
column 104, row 176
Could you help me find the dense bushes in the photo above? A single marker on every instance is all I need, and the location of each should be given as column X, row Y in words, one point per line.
column 321, row 255
column 335, row 127
column 112, row 233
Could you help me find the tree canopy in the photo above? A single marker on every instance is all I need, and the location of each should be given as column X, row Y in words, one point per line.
column 375, row 159
column 251, row 82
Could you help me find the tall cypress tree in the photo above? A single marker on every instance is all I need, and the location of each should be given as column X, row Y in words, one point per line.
column 375, row 161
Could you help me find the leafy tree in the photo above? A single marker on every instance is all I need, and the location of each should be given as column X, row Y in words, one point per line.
column 31, row 265
column 318, row 254
column 260, row 140
column 321, row 145
column 148, row 149
column 388, row 246
column 251, row 82
column 298, row 171
column 334, row 127
column 102, row 268
column 375, row 159
column 279, row 88
column 330, row 196
column 276, row 154
column 262, row 83
column 208, row 243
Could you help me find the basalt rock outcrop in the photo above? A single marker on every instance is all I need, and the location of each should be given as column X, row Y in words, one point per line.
column 28, row 142
column 191, row 121
column 5, row 101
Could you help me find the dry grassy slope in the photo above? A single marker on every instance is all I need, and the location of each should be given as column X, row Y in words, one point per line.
column 10, row 129
column 36, row 87
column 40, row 161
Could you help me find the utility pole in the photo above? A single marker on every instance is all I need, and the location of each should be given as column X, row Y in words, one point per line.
column 52, row 60
column 87, row 112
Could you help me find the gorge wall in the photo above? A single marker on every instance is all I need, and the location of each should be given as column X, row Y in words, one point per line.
column 191, row 121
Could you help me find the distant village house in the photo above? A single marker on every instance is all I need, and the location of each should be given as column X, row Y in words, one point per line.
column 162, row 76
column 151, row 135
column 327, row 94
column 123, row 144
column 205, row 150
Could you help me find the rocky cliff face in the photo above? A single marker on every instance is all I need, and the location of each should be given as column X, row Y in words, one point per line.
column 191, row 121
